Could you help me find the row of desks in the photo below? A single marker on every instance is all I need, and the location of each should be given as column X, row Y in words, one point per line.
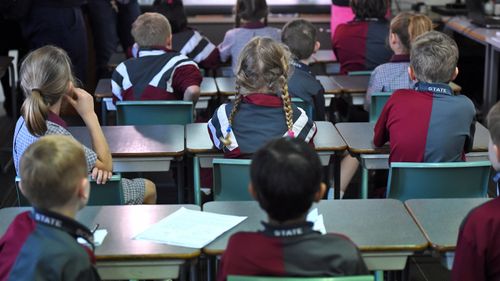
column 386, row 231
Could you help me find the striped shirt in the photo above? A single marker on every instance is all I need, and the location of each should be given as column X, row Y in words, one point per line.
column 157, row 74
column 193, row 44
column 259, row 119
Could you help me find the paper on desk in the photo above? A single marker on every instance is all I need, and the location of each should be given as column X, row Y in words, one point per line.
column 99, row 236
column 187, row 228
column 317, row 220
column 110, row 106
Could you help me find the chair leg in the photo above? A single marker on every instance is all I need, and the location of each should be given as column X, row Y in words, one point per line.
column 196, row 180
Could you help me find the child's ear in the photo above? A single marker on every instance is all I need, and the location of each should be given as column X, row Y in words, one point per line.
column 317, row 45
column 252, row 191
column 168, row 44
column 497, row 152
column 320, row 193
column 83, row 191
column 411, row 73
column 455, row 74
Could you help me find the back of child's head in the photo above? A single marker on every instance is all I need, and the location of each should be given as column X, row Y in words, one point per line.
column 45, row 77
column 174, row 11
column 367, row 9
column 493, row 121
column 300, row 37
column 286, row 174
column 407, row 26
column 151, row 30
column 434, row 57
column 51, row 170
column 251, row 11
column 263, row 64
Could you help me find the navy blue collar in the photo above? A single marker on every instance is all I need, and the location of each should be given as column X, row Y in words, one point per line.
column 301, row 66
column 288, row 230
column 435, row 88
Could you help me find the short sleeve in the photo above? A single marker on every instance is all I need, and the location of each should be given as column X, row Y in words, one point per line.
column 226, row 46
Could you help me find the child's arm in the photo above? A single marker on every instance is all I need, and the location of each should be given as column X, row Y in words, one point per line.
column 226, row 45
column 186, row 80
column 83, row 102
column 192, row 93
column 375, row 85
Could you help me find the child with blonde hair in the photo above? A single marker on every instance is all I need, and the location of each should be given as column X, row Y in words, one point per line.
column 46, row 80
column 262, row 109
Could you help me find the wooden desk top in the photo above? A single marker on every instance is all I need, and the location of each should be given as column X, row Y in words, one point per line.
column 138, row 141
column 226, row 85
column 359, row 138
column 327, row 138
column 4, row 64
column 463, row 26
column 122, row 224
column 374, row 225
column 440, row 219
column 329, row 85
column 352, row 84
column 323, row 56
column 103, row 88
column 273, row 18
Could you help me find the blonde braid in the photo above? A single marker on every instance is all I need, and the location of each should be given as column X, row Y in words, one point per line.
column 287, row 106
column 227, row 140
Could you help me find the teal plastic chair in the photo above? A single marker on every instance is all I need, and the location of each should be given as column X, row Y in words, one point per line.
column 438, row 180
column 110, row 193
column 263, row 278
column 360, row 73
column 231, row 178
column 154, row 112
column 378, row 101
column 307, row 107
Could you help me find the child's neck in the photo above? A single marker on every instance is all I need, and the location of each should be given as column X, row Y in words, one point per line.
column 301, row 219
column 56, row 108
column 65, row 211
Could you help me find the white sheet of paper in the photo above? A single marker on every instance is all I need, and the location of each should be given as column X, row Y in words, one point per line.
column 317, row 220
column 99, row 236
column 188, row 228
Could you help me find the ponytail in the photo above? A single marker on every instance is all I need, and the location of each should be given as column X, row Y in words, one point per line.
column 35, row 113
column 418, row 24
column 408, row 26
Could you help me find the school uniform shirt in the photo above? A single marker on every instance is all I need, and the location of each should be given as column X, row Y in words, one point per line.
column 477, row 255
column 361, row 44
column 296, row 251
column 428, row 124
column 235, row 39
column 133, row 190
column 302, row 84
column 156, row 74
column 194, row 45
column 259, row 119
column 41, row 245
column 389, row 77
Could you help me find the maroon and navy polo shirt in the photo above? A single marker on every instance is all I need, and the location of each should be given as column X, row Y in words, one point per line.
column 361, row 44
column 428, row 124
column 295, row 250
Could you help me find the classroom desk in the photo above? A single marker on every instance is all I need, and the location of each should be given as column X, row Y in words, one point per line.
column 323, row 56
column 382, row 229
column 463, row 26
column 121, row 257
column 327, row 142
column 440, row 220
column 148, row 148
column 359, row 140
column 103, row 94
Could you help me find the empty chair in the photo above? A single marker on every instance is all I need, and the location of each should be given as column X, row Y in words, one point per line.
column 378, row 101
column 360, row 73
column 231, row 178
column 154, row 112
column 110, row 193
column 438, row 180
column 263, row 278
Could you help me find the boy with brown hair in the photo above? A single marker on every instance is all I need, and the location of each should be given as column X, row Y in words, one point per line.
column 41, row 243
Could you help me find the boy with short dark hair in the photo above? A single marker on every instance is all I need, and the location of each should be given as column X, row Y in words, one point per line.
column 429, row 123
column 41, row 244
column 477, row 255
column 300, row 37
column 286, row 179
column 158, row 73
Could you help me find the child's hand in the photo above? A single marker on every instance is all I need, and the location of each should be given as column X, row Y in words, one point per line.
column 101, row 176
column 82, row 101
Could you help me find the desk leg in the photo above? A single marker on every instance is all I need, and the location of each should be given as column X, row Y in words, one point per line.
column 180, row 181
column 193, row 270
column 211, row 268
column 196, row 180
column 336, row 174
column 364, row 183
column 104, row 113
column 379, row 275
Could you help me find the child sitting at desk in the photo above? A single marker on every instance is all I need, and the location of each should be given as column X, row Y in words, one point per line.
column 394, row 75
column 285, row 178
column 262, row 109
column 477, row 255
column 158, row 73
column 300, row 37
column 429, row 123
column 361, row 43
column 251, row 21
column 41, row 243
column 46, row 80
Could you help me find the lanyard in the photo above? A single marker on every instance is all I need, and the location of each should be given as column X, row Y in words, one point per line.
column 288, row 231
column 301, row 66
column 435, row 88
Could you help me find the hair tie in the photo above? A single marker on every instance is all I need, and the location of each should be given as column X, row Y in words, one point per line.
column 291, row 134
column 36, row 90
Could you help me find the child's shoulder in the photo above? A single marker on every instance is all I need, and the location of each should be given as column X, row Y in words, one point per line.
column 487, row 213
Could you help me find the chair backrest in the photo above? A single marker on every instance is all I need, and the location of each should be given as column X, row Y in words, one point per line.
column 438, row 180
column 231, row 178
column 378, row 101
column 110, row 193
column 264, row 278
column 360, row 73
column 307, row 107
column 154, row 112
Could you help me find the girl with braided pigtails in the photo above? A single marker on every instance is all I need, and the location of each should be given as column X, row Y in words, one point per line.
column 262, row 109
